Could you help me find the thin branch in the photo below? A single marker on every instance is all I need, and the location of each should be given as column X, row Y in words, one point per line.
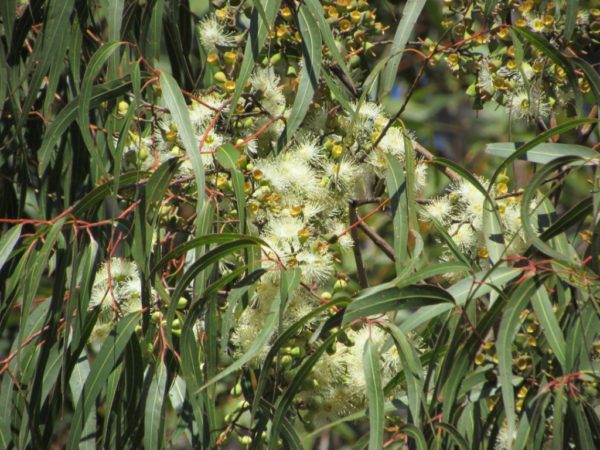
column 429, row 156
column 360, row 267
column 378, row 240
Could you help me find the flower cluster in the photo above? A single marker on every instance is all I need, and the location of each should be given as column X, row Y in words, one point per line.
column 116, row 292
column 508, row 68
column 337, row 386
column 460, row 211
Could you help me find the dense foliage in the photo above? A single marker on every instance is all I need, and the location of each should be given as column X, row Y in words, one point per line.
column 222, row 226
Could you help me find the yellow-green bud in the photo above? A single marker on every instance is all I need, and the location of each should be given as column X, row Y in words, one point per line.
column 220, row 77
column 230, row 57
column 182, row 303
column 236, row 390
column 143, row 153
column 340, row 284
column 245, row 440
column 123, row 107
column 337, row 151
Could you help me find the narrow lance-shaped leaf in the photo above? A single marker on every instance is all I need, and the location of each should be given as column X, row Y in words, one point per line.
column 545, row 315
column 374, row 394
column 541, row 138
column 227, row 156
column 256, row 40
column 507, row 331
column 105, row 361
column 154, row 415
column 393, row 299
column 83, row 116
column 309, row 76
column 411, row 366
column 396, row 185
column 542, row 153
column 76, row 383
column 179, row 112
column 8, row 242
column 411, row 12
column 56, row 130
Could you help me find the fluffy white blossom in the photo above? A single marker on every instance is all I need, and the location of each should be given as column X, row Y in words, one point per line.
column 528, row 104
column 265, row 82
column 212, row 34
column 316, row 267
column 463, row 235
column 438, row 209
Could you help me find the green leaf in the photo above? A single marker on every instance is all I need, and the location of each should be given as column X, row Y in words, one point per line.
column 227, row 156
column 201, row 241
column 8, row 242
column 36, row 267
column 558, row 419
column 49, row 51
column 542, row 153
column 318, row 14
column 492, row 230
column 201, row 264
column 416, row 434
column 256, row 40
column 412, row 10
column 583, row 433
column 506, row 334
column 570, row 19
column 432, row 270
column 545, row 315
column 530, row 194
column 179, row 112
column 106, row 360
column 154, row 415
column 540, row 139
column 309, row 76
column 393, row 299
column 396, row 186
column 77, row 380
column 93, row 198
column 114, row 19
column 374, row 394
column 471, row 287
column 56, row 130
column 83, row 117
column 411, row 366
column 454, row 435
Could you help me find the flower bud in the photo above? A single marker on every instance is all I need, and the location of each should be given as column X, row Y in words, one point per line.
column 230, row 57
column 182, row 303
column 123, row 107
column 220, row 77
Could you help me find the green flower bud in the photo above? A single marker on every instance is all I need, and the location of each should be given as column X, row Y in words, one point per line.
column 236, row 390
column 182, row 303
column 220, row 77
column 123, row 107
column 245, row 440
